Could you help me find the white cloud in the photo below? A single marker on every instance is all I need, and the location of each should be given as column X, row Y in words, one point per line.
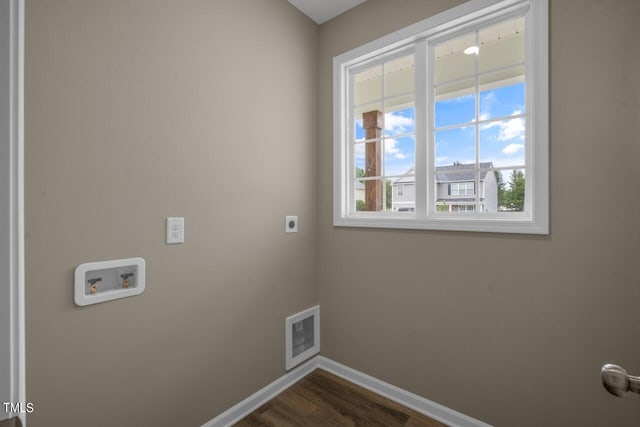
column 396, row 123
column 512, row 149
column 440, row 161
column 391, row 148
column 509, row 129
column 487, row 102
column 458, row 100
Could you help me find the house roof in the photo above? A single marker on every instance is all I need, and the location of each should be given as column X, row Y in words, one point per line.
column 409, row 177
column 461, row 172
column 451, row 173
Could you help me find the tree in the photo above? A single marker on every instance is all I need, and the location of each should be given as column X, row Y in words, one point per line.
column 360, row 205
column 389, row 196
column 514, row 197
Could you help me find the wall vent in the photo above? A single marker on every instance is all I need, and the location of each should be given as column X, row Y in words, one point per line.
column 302, row 336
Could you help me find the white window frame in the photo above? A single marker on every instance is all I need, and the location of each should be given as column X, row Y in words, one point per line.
column 12, row 303
column 465, row 208
column 468, row 16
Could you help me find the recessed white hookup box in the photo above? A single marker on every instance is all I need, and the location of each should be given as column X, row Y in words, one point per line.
column 108, row 280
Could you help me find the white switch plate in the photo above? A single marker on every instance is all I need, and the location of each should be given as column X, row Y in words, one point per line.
column 291, row 224
column 175, row 231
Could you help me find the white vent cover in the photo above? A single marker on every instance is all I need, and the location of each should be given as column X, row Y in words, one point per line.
column 302, row 333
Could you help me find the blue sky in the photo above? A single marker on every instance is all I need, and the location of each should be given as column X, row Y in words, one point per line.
column 501, row 141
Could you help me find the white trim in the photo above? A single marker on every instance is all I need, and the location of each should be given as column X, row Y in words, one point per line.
column 16, row 203
column 18, row 158
column 410, row 400
column 535, row 219
column 262, row 396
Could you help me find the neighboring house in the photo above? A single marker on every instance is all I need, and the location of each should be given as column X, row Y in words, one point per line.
column 359, row 189
column 455, row 187
column 403, row 193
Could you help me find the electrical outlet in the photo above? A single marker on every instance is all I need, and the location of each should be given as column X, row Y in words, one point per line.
column 175, row 230
column 291, row 224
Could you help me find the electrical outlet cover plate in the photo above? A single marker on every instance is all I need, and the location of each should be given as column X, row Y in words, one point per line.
column 291, row 224
column 175, row 231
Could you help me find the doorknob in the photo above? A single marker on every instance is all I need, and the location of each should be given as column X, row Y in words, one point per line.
column 617, row 382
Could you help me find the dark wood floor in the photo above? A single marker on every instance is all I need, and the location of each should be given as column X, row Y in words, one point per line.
column 322, row 399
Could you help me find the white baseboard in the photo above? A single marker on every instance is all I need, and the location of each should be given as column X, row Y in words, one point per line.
column 410, row 400
column 391, row 392
column 262, row 396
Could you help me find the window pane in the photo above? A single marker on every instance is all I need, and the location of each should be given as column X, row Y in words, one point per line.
column 451, row 62
column 400, row 121
column 373, row 190
column 368, row 159
column 399, row 76
column 358, row 130
column 367, row 85
column 359, row 195
column 359, row 160
column 510, row 186
column 455, row 185
column 399, row 156
column 502, row 142
column 455, row 110
column 502, row 45
column 453, row 90
column 388, row 195
column 455, row 146
column 504, row 77
column 502, row 101
column 404, row 193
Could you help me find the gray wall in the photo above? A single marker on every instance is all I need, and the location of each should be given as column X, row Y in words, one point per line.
column 517, row 337
column 139, row 110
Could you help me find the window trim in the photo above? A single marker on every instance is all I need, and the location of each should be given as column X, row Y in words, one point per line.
column 535, row 221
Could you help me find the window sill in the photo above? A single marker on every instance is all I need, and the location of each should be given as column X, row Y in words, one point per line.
column 515, row 224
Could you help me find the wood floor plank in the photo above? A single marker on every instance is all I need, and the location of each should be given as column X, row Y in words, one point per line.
column 323, row 399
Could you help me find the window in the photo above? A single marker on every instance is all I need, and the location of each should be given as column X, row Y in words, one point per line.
column 462, row 189
column 456, row 102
